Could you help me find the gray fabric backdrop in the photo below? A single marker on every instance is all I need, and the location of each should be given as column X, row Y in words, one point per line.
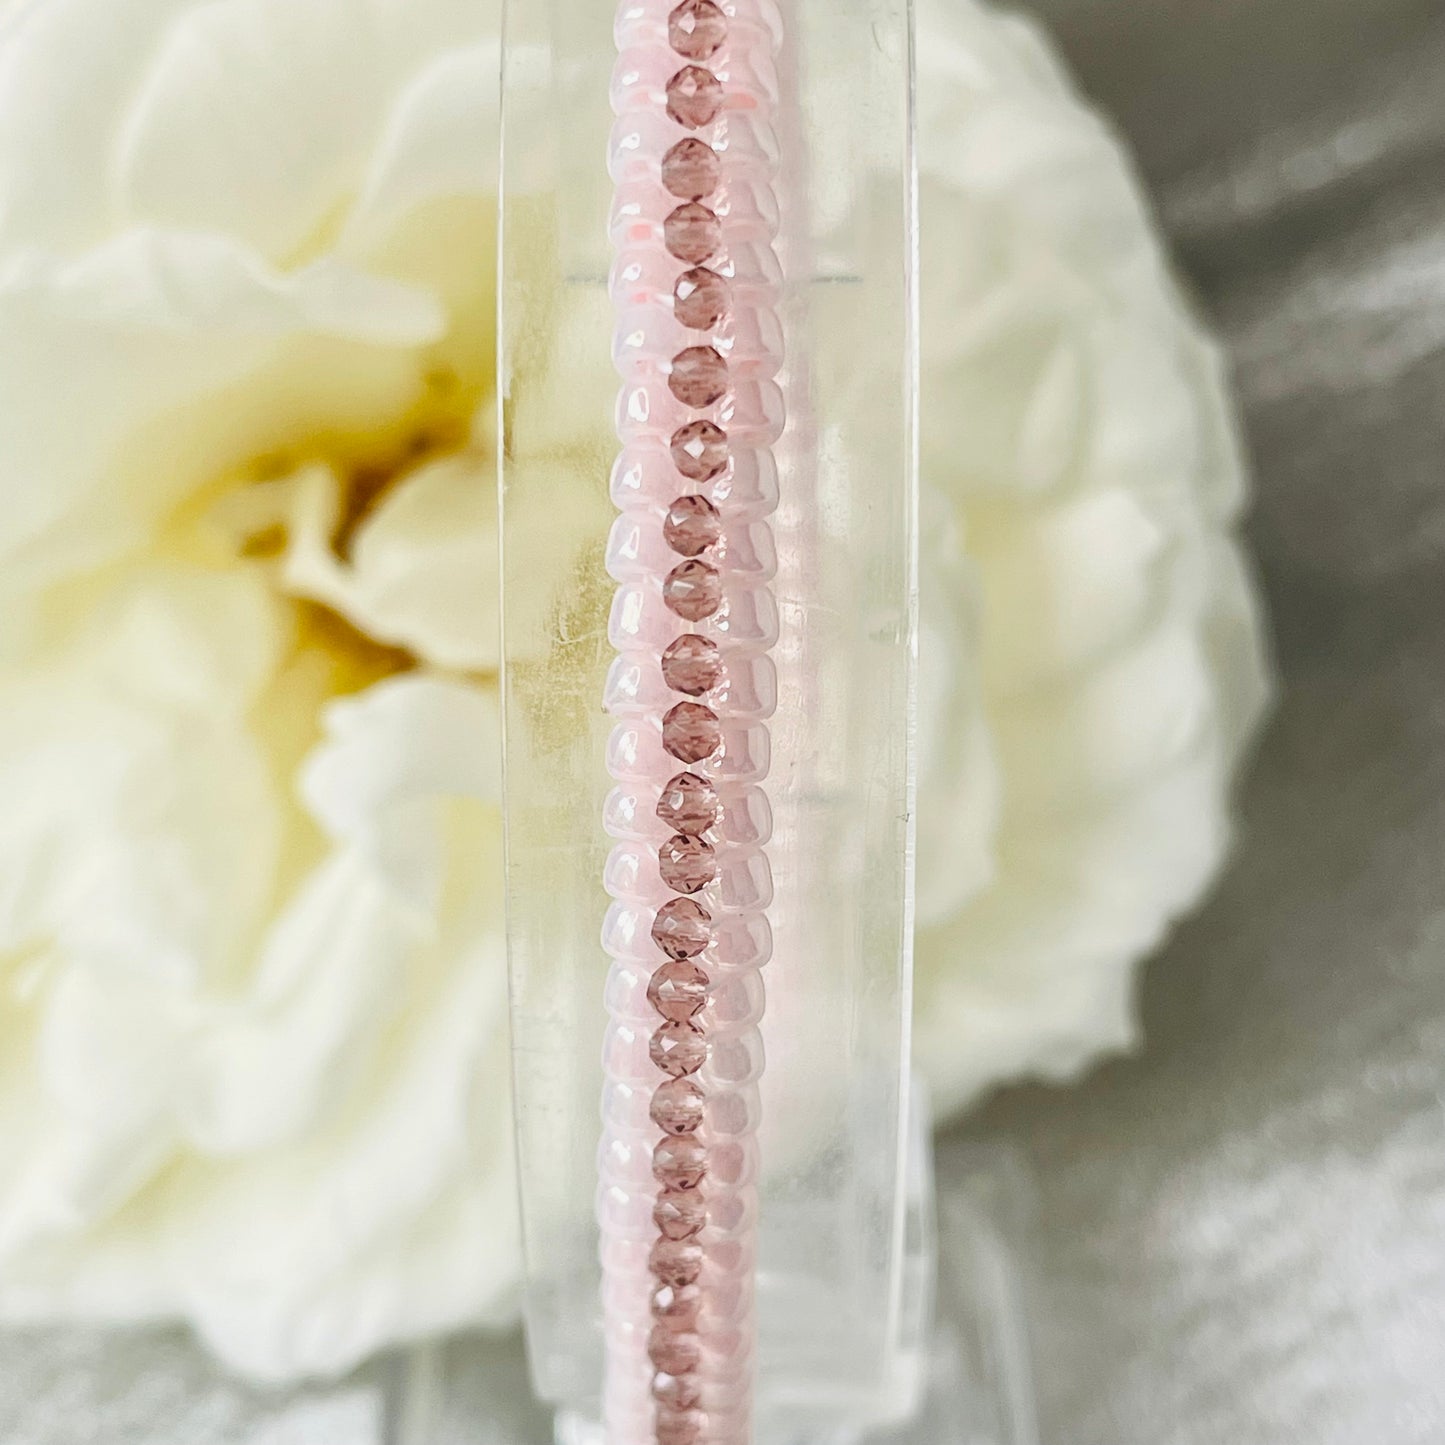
column 1237, row 1238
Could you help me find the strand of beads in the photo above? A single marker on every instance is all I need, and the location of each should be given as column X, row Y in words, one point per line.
column 698, row 343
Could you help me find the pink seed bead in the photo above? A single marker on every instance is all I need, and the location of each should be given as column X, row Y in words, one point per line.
column 677, row 1107
column 693, row 590
column 679, row 1049
column 682, row 928
column 677, row 1307
column 681, row 1427
column 686, row 864
column 692, row 525
column 692, row 664
column 675, row 1262
column 676, row 1392
column 692, row 233
column 697, row 29
column 690, row 804
column 691, row 169
column 672, row 1352
column 678, row 990
column 694, row 97
column 681, row 1215
column 699, row 376
column 700, row 450
column 691, row 732
column 679, row 1163
column 700, row 298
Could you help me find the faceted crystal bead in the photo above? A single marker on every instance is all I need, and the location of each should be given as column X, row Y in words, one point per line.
column 681, row 1427
column 681, row 1215
column 700, row 450
column 694, row 97
column 677, row 1307
column 691, row 169
column 692, row 525
column 690, row 804
column 678, row 990
column 692, row 664
column 699, row 376
column 675, row 1262
column 693, row 590
column 673, row 1352
column 676, row 1392
column 691, row 732
column 679, row 1163
column 677, row 1107
column 682, row 928
column 700, row 298
column 679, row 1049
column 692, row 233
column 697, row 29
column 686, row 864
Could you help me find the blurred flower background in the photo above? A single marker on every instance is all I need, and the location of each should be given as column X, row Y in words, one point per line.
column 252, row 994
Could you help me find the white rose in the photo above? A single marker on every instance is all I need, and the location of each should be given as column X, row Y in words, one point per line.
column 252, row 1023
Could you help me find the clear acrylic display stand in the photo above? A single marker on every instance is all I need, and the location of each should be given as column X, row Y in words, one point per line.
column 846, row 1237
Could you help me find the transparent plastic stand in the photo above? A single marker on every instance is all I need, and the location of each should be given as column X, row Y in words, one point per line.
column 847, row 1238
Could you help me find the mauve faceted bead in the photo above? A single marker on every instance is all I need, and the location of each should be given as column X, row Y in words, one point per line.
column 682, row 928
column 673, row 1352
column 677, row 1307
column 680, row 1215
column 697, row 29
column 686, row 864
column 692, row 664
column 677, row 1392
column 690, row 804
column 677, row 1107
column 700, row 450
column 691, row 169
column 691, row 732
column 700, row 298
column 675, row 1262
column 678, row 990
column 679, row 1049
column 679, row 1163
column 692, row 525
column 694, row 97
column 699, row 376
column 681, row 1427
column 693, row 590
column 692, row 233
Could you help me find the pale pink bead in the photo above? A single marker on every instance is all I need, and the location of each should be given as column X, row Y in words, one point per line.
column 691, row 732
column 699, row 376
column 678, row 1107
column 681, row 1427
column 676, row 1262
column 680, row 1163
column 674, row 1352
column 680, row 1214
column 678, row 990
column 700, row 298
column 679, row 1049
column 692, row 525
column 687, row 864
column 694, row 96
column 677, row 1307
column 689, row 803
column 697, row 29
column 692, row 665
column 693, row 590
column 676, row 1392
column 692, row 233
column 700, row 450
column 691, row 169
column 682, row 928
